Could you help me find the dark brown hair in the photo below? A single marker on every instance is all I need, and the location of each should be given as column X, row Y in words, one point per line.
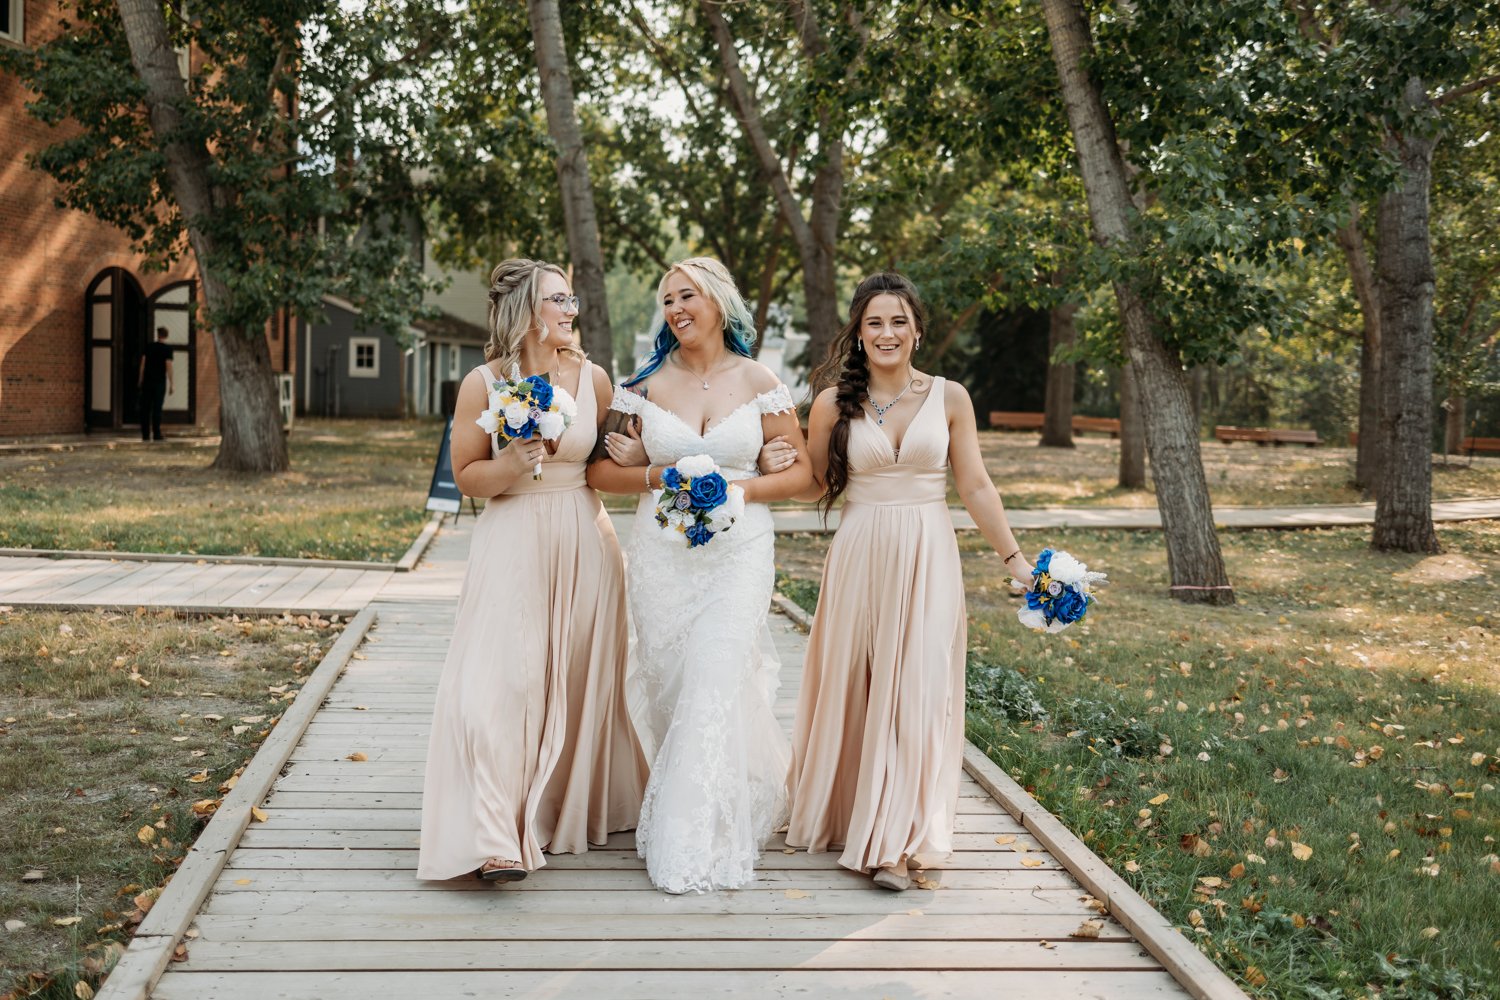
column 848, row 370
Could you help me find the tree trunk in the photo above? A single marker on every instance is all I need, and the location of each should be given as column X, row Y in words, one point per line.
column 249, row 406
column 1362, row 276
column 1194, row 559
column 1132, row 434
column 1057, row 419
column 816, row 235
column 1403, row 503
column 579, row 217
column 1453, row 424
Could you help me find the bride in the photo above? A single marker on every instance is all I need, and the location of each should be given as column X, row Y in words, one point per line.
column 700, row 694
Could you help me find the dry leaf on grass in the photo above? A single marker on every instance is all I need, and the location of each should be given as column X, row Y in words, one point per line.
column 1158, row 800
column 199, row 778
column 83, row 991
column 1132, row 866
column 65, row 921
column 146, row 834
column 1301, row 851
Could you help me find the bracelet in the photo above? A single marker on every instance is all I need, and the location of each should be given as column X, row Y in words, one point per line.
column 1007, row 559
column 648, row 479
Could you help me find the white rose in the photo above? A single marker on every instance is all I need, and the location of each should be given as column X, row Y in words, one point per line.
column 565, row 403
column 719, row 519
column 734, row 502
column 551, row 425
column 679, row 519
column 1065, row 569
column 516, row 415
column 693, row 466
column 489, row 420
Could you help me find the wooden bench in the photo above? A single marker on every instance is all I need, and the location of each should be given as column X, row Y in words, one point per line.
column 1472, row 444
column 1263, row 436
column 1010, row 420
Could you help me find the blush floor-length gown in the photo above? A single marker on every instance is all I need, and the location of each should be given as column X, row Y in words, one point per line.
column 531, row 748
column 877, row 745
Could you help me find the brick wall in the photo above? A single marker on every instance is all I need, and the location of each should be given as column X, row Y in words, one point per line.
column 49, row 255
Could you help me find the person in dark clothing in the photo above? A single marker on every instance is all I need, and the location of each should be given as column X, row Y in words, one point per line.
column 155, row 382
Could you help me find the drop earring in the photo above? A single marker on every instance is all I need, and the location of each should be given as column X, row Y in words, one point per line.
column 859, row 344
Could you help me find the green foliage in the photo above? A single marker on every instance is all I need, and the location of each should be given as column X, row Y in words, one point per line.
column 1003, row 692
column 307, row 111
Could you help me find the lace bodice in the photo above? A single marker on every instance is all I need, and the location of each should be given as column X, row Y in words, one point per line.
column 734, row 441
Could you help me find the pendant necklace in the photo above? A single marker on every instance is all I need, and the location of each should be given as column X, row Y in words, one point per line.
column 702, row 379
column 880, row 411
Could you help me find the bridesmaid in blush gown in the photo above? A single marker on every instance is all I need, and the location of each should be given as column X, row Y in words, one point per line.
column 531, row 748
column 877, row 745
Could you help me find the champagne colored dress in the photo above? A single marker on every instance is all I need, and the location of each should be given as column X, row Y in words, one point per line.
column 531, row 747
column 877, row 746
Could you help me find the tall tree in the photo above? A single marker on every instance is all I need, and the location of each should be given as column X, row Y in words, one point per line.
column 815, row 231
column 1193, row 554
column 1351, row 239
column 579, row 215
column 283, row 167
column 1057, row 410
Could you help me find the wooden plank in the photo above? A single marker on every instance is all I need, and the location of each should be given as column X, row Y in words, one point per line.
column 823, row 877
column 344, row 904
column 28, row 583
column 84, row 580
column 859, row 956
column 231, row 581
column 436, row 924
column 651, row 985
column 289, row 595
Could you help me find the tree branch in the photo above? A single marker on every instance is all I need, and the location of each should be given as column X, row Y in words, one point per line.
column 380, row 72
column 1463, row 90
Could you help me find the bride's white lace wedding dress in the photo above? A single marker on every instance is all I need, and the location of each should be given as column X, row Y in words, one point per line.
column 700, row 687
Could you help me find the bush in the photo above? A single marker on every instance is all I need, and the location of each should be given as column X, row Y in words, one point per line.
column 1004, row 693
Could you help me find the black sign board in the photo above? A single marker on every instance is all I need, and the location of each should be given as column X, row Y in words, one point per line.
column 443, row 494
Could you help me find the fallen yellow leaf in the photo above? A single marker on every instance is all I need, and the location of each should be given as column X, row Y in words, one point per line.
column 1032, row 862
column 1301, row 851
column 1429, row 933
column 1005, row 838
column 146, row 834
column 242, row 881
column 1088, row 929
column 357, row 755
column 1132, row 866
column 795, row 894
column 65, row 921
column 199, row 778
column 83, row 991
column 259, row 814
column 1160, row 799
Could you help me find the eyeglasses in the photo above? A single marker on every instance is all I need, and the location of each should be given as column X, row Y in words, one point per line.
column 563, row 301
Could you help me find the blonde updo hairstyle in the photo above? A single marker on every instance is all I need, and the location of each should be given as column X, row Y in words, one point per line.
column 515, row 307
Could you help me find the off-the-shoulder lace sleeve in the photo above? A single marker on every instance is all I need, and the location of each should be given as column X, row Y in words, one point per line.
column 626, row 401
column 778, row 400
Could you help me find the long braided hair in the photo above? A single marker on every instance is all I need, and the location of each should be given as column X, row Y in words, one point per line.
column 515, row 304
column 847, row 368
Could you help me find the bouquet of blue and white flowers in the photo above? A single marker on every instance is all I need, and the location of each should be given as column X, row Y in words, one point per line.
column 1060, row 592
column 523, row 408
column 696, row 502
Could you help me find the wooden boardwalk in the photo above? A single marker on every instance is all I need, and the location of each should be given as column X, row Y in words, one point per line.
column 321, row 901
column 35, row 581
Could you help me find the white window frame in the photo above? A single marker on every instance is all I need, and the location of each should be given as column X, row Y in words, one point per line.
column 355, row 370
column 17, row 32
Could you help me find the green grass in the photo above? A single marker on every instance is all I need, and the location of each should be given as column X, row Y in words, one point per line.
column 1347, row 703
column 356, row 490
column 105, row 723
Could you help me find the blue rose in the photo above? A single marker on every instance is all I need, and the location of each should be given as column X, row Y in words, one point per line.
column 1043, row 562
column 698, row 535
column 709, row 491
column 1069, row 606
column 541, row 391
column 671, row 479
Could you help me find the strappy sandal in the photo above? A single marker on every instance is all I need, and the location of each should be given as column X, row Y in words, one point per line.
column 502, row 870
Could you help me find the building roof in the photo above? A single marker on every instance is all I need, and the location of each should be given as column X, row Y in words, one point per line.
column 446, row 326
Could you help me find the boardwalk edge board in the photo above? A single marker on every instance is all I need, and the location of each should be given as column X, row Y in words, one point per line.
column 208, row 610
column 138, row 970
column 192, row 557
column 1189, row 966
column 408, row 561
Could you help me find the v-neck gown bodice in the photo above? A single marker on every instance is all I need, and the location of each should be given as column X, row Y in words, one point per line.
column 877, row 745
column 700, row 688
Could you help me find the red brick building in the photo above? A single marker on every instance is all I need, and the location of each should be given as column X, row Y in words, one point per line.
column 79, row 305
